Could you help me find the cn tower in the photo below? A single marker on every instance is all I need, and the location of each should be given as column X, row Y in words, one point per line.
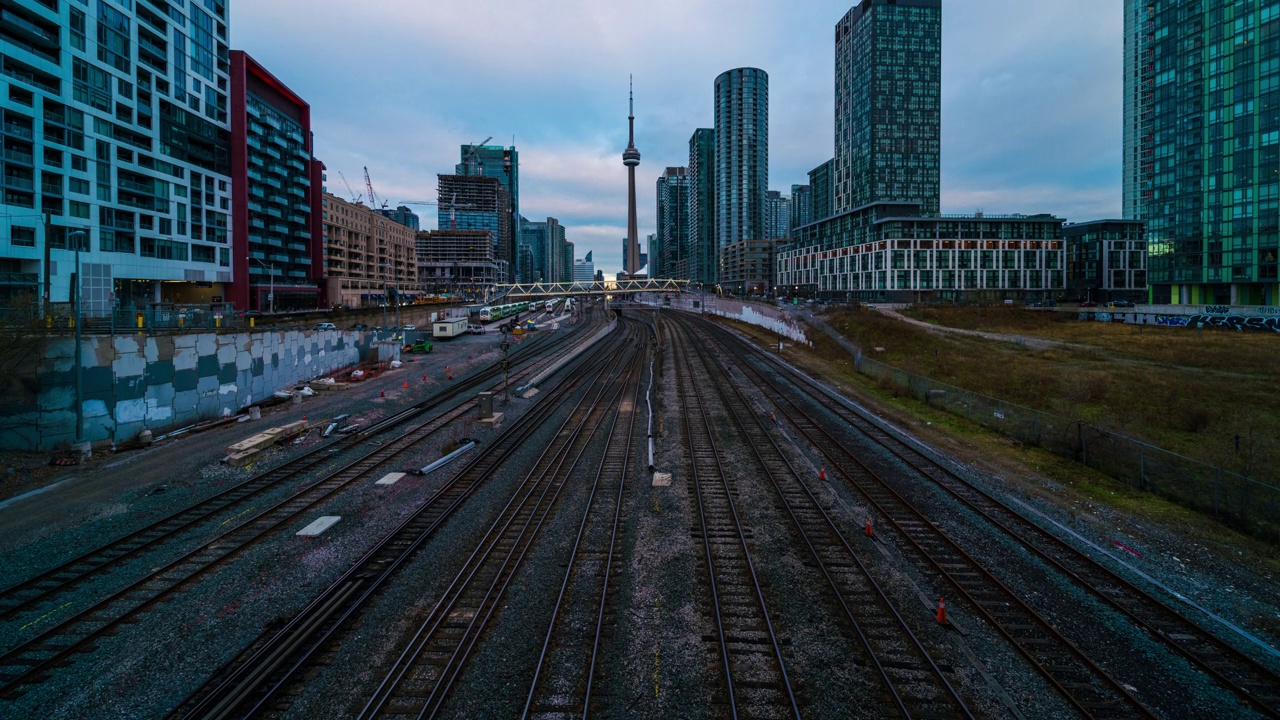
column 631, row 158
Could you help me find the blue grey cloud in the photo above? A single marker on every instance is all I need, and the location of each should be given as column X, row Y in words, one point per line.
column 1031, row 102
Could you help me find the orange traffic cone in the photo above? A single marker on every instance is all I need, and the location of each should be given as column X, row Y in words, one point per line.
column 382, row 394
column 468, row 357
column 424, row 378
column 942, row 611
column 771, row 417
column 822, row 474
column 447, row 371
column 406, row 384
column 304, row 418
column 869, row 532
column 450, row 378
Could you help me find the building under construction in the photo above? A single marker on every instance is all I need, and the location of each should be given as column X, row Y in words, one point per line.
column 472, row 202
column 458, row 261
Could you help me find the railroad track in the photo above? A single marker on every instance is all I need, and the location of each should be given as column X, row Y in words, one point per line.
column 257, row 681
column 1257, row 686
column 44, row 589
column 31, row 661
column 913, row 682
column 565, row 673
column 755, row 672
column 1090, row 689
column 422, row 677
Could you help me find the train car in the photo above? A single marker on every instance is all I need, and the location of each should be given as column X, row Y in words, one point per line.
column 449, row 327
column 486, row 314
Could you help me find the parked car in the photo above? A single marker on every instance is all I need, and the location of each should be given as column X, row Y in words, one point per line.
column 249, row 314
column 359, row 326
column 1123, row 303
column 326, row 326
column 1089, row 303
column 409, row 328
column 475, row 329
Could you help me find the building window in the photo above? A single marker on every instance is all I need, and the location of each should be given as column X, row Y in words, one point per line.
column 22, row 237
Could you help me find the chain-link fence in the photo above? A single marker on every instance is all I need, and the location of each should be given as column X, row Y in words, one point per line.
column 1240, row 502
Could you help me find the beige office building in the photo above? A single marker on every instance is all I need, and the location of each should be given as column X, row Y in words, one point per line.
column 369, row 258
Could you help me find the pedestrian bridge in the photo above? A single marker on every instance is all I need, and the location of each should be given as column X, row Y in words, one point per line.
column 572, row 289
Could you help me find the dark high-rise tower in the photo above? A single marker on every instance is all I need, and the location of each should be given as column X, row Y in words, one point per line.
column 702, row 206
column 1201, row 149
column 888, row 118
column 631, row 158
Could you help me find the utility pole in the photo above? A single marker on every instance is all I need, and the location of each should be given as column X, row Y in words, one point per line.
column 506, row 366
column 75, row 295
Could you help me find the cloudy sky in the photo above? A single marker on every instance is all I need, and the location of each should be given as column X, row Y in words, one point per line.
column 1031, row 113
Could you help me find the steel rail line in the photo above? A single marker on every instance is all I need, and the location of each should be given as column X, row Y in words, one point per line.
column 251, row 683
column 72, row 574
column 1254, row 683
column 1090, row 689
column 432, row 660
column 610, row 480
column 916, row 686
column 742, row 629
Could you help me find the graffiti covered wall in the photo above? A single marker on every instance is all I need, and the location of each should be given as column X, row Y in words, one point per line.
column 131, row 383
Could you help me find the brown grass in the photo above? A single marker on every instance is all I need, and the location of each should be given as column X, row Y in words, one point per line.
column 1188, row 392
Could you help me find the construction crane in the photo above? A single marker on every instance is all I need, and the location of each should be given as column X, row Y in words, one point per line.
column 453, row 208
column 373, row 199
column 354, row 198
column 469, row 160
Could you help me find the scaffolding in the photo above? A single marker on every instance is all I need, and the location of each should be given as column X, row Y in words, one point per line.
column 452, row 260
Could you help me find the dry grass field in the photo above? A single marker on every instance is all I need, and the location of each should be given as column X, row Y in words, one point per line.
column 1189, row 392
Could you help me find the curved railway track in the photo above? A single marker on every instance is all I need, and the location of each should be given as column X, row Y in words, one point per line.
column 565, row 673
column 424, row 674
column 257, row 680
column 31, row 660
column 755, row 672
column 913, row 683
column 1090, row 689
column 1254, row 684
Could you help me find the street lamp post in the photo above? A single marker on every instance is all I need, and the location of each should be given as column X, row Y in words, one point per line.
column 271, row 294
column 75, row 290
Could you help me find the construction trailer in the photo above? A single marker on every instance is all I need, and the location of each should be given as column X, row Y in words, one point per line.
column 450, row 327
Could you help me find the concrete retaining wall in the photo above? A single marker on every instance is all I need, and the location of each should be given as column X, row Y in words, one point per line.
column 134, row 382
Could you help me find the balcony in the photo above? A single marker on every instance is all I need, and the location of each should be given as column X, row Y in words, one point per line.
column 19, row 183
column 17, row 130
column 19, row 156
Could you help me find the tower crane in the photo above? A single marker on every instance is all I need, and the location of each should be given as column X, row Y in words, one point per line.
column 469, row 160
column 354, row 198
column 373, row 199
column 453, row 208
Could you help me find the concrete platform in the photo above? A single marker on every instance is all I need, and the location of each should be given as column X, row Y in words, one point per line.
column 492, row 422
column 319, row 526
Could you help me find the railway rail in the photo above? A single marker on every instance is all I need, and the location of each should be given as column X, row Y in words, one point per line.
column 256, row 681
column 1093, row 691
column 31, row 660
column 564, row 675
column 755, row 672
column 913, row 682
column 1254, row 684
column 422, row 677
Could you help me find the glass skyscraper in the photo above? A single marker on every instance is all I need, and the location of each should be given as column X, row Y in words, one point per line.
column 667, row 256
column 742, row 154
column 1202, row 146
column 702, row 208
column 503, row 163
column 888, row 104
column 116, row 139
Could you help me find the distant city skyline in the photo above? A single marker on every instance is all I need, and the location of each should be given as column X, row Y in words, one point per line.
column 1010, row 141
